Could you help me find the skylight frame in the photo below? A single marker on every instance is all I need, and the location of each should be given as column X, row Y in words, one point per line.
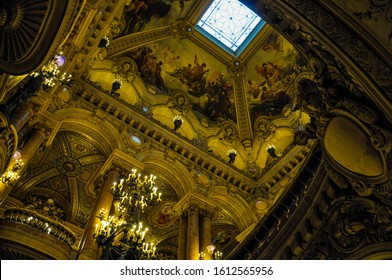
column 220, row 14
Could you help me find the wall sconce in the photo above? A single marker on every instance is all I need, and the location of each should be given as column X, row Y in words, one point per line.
column 177, row 122
column 104, row 42
column 218, row 255
column 59, row 59
column 271, row 151
column 17, row 154
column 116, row 85
column 210, row 249
column 232, row 154
column 11, row 175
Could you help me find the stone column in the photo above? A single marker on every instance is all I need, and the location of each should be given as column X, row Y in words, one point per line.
column 28, row 151
column 104, row 201
column 22, row 117
column 182, row 238
column 205, row 233
column 193, row 234
column 31, row 146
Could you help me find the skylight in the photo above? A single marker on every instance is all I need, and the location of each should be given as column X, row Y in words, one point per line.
column 230, row 23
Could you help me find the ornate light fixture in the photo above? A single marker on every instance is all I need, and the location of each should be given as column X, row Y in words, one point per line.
column 51, row 72
column 104, row 42
column 122, row 235
column 271, row 151
column 218, row 255
column 232, row 154
column 10, row 176
column 116, row 85
column 215, row 255
column 211, row 248
column 177, row 120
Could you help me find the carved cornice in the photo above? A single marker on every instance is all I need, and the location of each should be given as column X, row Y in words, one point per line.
column 182, row 147
column 135, row 40
column 175, row 142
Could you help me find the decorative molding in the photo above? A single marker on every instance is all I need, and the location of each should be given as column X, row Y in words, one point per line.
column 241, row 105
column 132, row 41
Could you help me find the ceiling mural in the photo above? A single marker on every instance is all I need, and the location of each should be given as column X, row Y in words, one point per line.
column 148, row 14
column 270, row 77
column 173, row 65
column 196, row 77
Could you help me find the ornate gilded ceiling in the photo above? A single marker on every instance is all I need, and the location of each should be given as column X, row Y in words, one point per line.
column 65, row 173
column 168, row 69
column 244, row 102
column 227, row 102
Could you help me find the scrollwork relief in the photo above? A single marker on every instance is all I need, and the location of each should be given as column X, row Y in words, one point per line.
column 377, row 11
column 334, row 109
column 356, row 222
column 45, row 206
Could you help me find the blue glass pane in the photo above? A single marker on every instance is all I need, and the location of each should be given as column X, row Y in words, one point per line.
column 229, row 22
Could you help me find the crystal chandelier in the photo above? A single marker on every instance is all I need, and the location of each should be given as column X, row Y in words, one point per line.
column 122, row 234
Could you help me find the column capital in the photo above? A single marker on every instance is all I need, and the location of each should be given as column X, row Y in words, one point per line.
column 208, row 213
column 193, row 207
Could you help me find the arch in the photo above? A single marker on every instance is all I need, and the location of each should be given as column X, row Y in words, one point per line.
column 377, row 251
column 234, row 205
column 84, row 122
column 174, row 171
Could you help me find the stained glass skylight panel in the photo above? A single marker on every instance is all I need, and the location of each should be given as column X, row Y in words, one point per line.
column 230, row 23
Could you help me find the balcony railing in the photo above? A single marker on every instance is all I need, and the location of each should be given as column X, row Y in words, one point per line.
column 37, row 221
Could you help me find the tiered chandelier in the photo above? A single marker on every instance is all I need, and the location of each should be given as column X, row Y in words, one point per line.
column 122, row 234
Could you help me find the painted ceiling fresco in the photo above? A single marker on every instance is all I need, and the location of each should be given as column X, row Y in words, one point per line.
column 271, row 75
column 171, row 66
column 174, row 64
column 143, row 15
